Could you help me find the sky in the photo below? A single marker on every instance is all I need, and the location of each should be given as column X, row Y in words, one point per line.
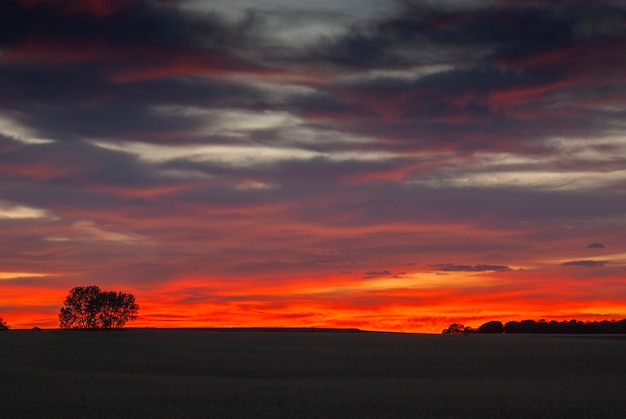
column 379, row 164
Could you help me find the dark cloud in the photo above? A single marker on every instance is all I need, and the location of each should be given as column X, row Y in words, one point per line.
column 76, row 75
column 595, row 245
column 64, row 165
column 587, row 263
column 451, row 267
column 107, row 74
column 141, row 23
column 518, row 90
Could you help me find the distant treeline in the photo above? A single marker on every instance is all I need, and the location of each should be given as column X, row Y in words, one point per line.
column 542, row 326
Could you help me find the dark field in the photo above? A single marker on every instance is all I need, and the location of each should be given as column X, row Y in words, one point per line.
column 251, row 374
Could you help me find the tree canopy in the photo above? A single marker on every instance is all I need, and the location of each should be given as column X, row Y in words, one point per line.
column 3, row 325
column 493, row 326
column 90, row 308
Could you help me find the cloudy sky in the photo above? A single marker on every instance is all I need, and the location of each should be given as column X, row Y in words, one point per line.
column 381, row 164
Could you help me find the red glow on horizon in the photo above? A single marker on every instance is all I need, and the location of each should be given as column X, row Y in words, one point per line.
column 336, row 302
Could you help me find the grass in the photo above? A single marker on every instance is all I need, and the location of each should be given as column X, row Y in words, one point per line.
column 181, row 373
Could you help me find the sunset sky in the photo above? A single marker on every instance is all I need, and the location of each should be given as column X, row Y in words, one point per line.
column 380, row 164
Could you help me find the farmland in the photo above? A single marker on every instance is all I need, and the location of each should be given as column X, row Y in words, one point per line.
column 189, row 373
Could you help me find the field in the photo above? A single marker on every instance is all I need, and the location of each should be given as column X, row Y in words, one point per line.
column 180, row 373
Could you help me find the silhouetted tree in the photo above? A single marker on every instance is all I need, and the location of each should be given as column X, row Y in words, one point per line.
column 494, row 326
column 90, row 308
column 513, row 327
column 3, row 325
column 553, row 326
column 457, row 329
column 529, row 326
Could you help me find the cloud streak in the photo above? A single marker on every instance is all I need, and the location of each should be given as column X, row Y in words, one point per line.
column 451, row 267
column 586, row 263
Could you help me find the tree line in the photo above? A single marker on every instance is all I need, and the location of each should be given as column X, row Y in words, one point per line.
column 542, row 326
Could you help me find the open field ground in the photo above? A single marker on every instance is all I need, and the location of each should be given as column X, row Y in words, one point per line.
column 302, row 374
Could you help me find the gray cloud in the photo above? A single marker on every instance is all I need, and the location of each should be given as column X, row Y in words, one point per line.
column 595, row 245
column 451, row 267
column 586, row 263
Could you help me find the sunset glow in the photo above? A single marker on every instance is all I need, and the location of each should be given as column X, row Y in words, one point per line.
column 374, row 164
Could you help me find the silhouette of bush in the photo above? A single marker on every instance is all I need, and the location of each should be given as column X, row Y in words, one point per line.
column 513, row 327
column 494, row 326
column 90, row 308
column 3, row 325
column 457, row 329
column 529, row 326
